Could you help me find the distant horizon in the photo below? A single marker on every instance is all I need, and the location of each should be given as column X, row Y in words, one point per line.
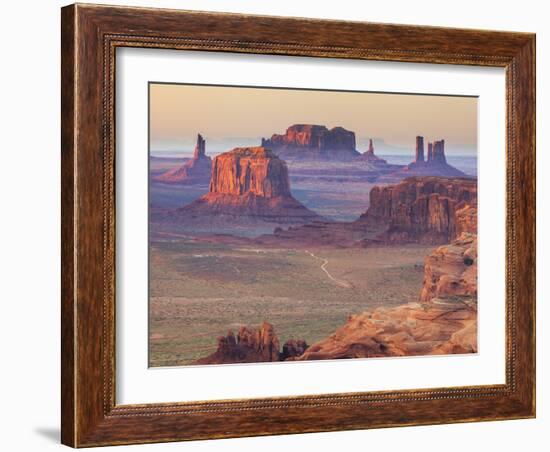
column 218, row 146
column 229, row 117
column 184, row 154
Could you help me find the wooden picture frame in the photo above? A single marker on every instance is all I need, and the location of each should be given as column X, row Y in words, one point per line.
column 90, row 36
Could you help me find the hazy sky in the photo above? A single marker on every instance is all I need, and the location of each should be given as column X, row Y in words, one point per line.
column 233, row 116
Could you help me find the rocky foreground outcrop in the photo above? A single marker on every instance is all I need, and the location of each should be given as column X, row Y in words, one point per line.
column 423, row 209
column 194, row 172
column 313, row 142
column 451, row 270
column 248, row 185
column 443, row 322
column 446, row 325
column 442, row 326
column 253, row 345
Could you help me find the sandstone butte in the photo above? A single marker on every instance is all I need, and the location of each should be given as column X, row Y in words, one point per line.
column 423, row 209
column 315, row 142
column 443, row 321
column 194, row 172
column 250, row 183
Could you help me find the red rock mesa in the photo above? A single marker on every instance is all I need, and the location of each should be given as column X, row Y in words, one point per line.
column 315, row 142
column 423, row 209
column 429, row 210
column 250, row 184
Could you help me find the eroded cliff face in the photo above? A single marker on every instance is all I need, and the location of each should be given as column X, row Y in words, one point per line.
column 442, row 326
column 310, row 141
column 423, row 209
column 466, row 219
column 451, row 270
column 253, row 345
column 256, row 170
column 248, row 185
column 194, row 172
column 446, row 325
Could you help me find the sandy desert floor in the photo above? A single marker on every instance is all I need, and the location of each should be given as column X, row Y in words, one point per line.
column 199, row 291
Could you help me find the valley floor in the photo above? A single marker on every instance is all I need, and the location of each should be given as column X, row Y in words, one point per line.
column 199, row 291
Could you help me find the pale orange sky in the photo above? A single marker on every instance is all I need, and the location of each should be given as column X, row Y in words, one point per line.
column 227, row 116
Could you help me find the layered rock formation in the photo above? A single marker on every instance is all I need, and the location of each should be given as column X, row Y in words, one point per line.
column 442, row 326
column 428, row 210
column 423, row 209
column 256, row 171
column 466, row 219
column 315, row 142
column 250, row 345
column 193, row 172
column 253, row 345
column 451, row 270
column 248, row 185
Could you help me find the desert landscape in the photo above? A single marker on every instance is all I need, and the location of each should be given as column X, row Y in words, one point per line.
column 304, row 247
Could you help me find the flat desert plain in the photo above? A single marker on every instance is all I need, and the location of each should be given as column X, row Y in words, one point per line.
column 198, row 291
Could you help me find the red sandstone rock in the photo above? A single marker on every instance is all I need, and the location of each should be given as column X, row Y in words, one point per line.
column 441, row 326
column 451, row 270
column 423, row 209
column 253, row 345
column 292, row 349
column 195, row 171
column 309, row 141
column 250, row 170
column 248, row 184
column 466, row 219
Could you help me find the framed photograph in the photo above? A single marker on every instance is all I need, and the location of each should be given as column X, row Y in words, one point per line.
column 281, row 225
